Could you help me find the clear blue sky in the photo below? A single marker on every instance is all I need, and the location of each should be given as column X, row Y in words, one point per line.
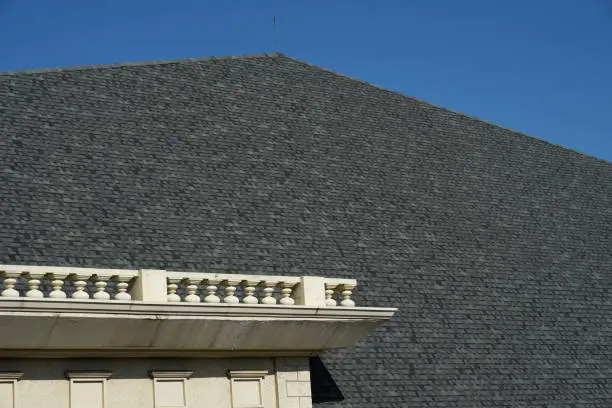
column 542, row 67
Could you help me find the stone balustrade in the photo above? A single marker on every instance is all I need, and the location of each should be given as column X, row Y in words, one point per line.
column 228, row 288
column 65, row 283
column 258, row 289
column 161, row 286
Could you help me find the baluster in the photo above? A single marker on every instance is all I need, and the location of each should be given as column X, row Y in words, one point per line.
column 346, row 294
column 211, row 289
column 192, row 296
column 34, row 285
column 172, row 296
column 249, row 291
column 79, row 287
column 268, row 291
column 329, row 295
column 57, row 284
column 9, row 288
column 230, row 290
column 122, row 287
column 286, row 298
column 100, row 284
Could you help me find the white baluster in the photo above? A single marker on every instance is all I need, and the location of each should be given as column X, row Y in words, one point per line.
column 101, row 293
column 230, row 290
column 329, row 293
column 79, row 286
column 286, row 296
column 34, row 284
column 346, row 294
column 9, row 288
column 57, row 292
column 249, row 291
column 172, row 296
column 192, row 297
column 122, row 293
column 211, row 289
column 268, row 291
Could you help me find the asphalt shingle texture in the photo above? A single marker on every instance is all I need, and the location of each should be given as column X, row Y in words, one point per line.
column 495, row 246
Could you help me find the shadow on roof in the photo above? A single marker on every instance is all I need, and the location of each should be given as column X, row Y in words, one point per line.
column 323, row 386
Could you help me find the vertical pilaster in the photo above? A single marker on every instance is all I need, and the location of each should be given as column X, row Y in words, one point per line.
column 311, row 291
column 293, row 382
column 151, row 286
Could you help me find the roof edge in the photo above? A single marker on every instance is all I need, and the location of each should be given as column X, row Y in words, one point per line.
column 277, row 55
column 138, row 63
column 471, row 117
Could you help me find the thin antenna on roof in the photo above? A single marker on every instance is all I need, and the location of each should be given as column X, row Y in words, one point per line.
column 275, row 45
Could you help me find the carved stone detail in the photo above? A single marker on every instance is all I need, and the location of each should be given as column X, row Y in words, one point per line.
column 192, row 297
column 9, row 288
column 211, row 291
column 172, row 296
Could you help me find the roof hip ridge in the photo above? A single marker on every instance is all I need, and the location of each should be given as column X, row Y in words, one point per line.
column 138, row 63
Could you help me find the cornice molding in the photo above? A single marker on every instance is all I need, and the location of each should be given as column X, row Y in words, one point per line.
column 171, row 374
column 10, row 375
column 247, row 374
column 144, row 328
column 88, row 375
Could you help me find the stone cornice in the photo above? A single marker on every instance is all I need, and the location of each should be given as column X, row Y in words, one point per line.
column 88, row 375
column 135, row 328
column 10, row 376
column 171, row 374
column 247, row 374
column 180, row 310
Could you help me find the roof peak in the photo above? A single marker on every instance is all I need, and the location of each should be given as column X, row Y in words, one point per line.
column 286, row 57
column 140, row 63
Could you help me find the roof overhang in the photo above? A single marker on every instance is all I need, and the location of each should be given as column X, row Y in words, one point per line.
column 52, row 327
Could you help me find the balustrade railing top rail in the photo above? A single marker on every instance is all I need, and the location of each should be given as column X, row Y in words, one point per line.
column 146, row 285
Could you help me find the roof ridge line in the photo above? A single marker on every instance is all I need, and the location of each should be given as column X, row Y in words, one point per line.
column 138, row 63
column 471, row 117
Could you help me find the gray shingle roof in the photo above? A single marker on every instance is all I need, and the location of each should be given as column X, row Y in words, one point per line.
column 495, row 246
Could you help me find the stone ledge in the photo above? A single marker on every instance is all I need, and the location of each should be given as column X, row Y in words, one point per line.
column 138, row 308
column 47, row 325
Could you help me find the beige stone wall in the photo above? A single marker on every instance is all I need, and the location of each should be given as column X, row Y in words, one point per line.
column 293, row 383
column 44, row 382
